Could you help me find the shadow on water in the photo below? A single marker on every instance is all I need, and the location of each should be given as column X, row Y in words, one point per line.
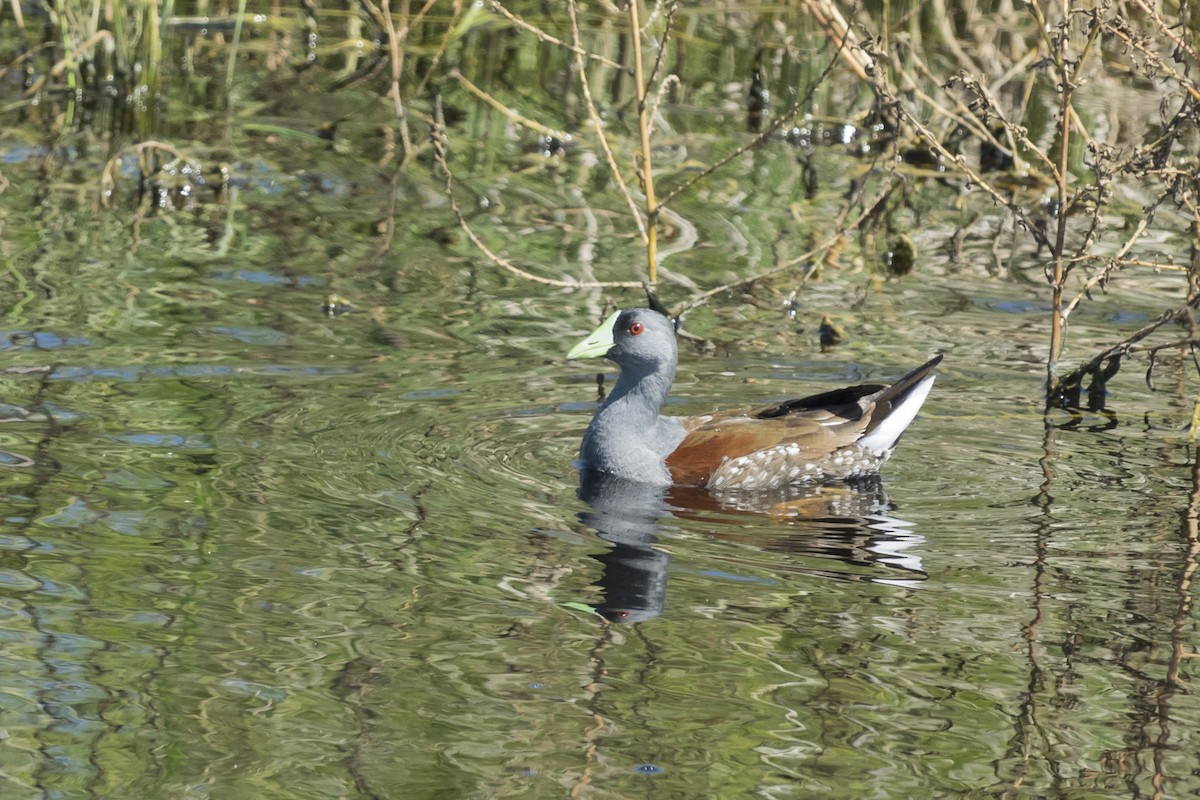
column 851, row 524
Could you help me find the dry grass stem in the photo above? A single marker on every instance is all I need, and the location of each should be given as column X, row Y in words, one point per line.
column 512, row 114
column 817, row 254
column 494, row 5
column 598, row 124
column 439, row 153
column 942, row 18
column 18, row 15
column 837, row 30
column 646, row 168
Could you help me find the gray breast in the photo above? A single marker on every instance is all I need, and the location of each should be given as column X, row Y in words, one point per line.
column 639, row 455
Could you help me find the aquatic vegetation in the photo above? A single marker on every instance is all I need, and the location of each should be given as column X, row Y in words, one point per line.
column 1006, row 106
column 288, row 437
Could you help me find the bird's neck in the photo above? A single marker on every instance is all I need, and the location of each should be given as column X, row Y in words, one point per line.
column 628, row 437
column 638, row 395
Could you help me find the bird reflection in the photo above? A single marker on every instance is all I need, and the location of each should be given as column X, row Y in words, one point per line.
column 849, row 523
column 626, row 514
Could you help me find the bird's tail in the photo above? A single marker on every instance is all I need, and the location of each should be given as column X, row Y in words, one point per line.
column 897, row 406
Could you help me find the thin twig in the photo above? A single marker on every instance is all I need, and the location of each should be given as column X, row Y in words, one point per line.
column 1058, row 268
column 1117, row 261
column 766, row 133
column 397, row 58
column 973, row 177
column 1121, row 29
column 838, row 30
column 1155, row 265
column 1168, row 30
column 961, row 115
column 1126, row 345
column 646, row 168
column 455, row 13
column 594, row 116
column 439, row 154
column 662, row 43
column 545, row 37
column 512, row 114
column 828, row 244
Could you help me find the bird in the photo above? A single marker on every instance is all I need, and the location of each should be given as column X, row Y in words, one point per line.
column 839, row 435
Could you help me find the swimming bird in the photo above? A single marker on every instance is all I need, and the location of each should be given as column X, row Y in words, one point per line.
column 837, row 435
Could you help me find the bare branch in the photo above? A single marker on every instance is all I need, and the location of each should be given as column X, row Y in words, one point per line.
column 511, row 113
column 494, row 5
column 594, row 116
column 766, row 133
column 439, row 154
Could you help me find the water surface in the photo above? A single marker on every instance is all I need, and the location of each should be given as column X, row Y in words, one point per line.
column 250, row 549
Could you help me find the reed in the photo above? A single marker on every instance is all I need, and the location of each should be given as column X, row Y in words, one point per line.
column 935, row 80
column 646, row 166
column 649, row 85
column 95, row 51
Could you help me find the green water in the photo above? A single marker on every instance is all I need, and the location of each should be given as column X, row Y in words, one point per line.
column 252, row 550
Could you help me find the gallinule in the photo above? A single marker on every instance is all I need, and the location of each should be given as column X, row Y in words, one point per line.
column 843, row 434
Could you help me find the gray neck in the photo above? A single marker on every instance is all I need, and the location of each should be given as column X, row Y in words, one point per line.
column 628, row 437
column 639, row 395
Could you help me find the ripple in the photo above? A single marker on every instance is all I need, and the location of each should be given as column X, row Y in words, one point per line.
column 8, row 459
column 264, row 278
column 40, row 340
column 14, row 581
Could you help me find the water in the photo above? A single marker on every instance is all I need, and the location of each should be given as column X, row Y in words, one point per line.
column 250, row 549
column 253, row 549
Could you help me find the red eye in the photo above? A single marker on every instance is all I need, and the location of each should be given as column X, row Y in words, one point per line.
column 636, row 328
